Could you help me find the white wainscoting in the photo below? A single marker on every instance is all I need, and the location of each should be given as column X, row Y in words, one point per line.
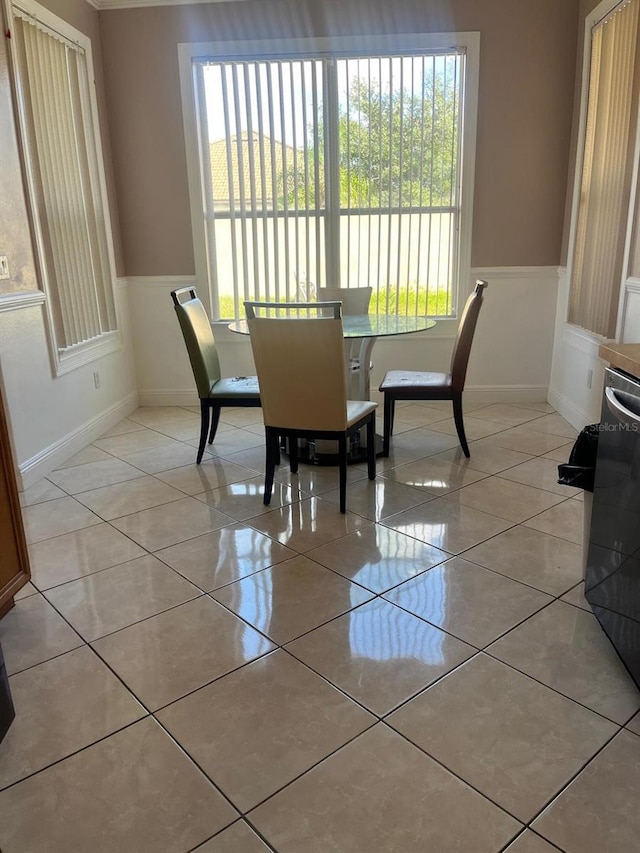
column 53, row 417
column 577, row 372
column 631, row 312
column 510, row 359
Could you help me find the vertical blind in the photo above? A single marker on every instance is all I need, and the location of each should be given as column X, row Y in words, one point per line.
column 339, row 172
column 62, row 155
column 596, row 271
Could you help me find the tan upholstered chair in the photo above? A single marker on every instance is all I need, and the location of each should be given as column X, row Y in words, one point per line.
column 299, row 356
column 355, row 300
column 214, row 390
column 413, row 385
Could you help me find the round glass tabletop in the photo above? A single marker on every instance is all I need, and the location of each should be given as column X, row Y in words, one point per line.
column 366, row 325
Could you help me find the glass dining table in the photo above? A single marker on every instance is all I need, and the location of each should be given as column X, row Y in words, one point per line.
column 362, row 330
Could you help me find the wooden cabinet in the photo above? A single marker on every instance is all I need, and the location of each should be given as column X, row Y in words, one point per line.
column 14, row 559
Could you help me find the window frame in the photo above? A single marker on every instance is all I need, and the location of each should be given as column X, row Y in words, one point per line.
column 598, row 14
column 65, row 359
column 296, row 48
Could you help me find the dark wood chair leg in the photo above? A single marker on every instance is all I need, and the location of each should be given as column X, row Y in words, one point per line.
column 457, row 416
column 388, row 419
column 271, row 442
column 293, row 453
column 215, row 418
column 342, row 452
column 371, row 447
column 205, row 411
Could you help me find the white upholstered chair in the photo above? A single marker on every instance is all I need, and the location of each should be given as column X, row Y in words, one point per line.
column 299, row 356
column 355, row 300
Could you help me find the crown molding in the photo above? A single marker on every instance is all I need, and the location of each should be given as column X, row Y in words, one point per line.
column 103, row 5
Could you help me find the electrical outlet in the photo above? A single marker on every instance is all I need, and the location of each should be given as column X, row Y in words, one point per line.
column 4, row 267
column 96, row 379
column 589, row 378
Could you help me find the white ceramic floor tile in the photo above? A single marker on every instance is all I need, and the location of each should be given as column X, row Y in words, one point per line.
column 114, row 598
column 379, row 620
column 134, row 791
column 52, row 723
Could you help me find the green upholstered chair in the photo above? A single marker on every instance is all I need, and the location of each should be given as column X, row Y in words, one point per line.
column 415, row 385
column 301, row 367
column 214, row 390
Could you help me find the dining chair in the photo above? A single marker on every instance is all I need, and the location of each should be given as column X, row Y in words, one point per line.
column 415, row 385
column 355, row 300
column 214, row 390
column 299, row 356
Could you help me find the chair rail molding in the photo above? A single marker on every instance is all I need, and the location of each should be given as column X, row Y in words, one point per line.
column 164, row 282
column 26, row 299
column 517, row 273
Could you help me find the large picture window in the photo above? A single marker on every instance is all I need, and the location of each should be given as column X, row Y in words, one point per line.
column 58, row 123
column 332, row 168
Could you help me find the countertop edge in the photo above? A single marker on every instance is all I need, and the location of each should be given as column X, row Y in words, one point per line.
column 623, row 356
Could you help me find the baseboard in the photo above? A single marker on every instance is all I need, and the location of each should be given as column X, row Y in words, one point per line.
column 472, row 394
column 51, row 457
column 168, row 397
column 506, row 393
column 570, row 412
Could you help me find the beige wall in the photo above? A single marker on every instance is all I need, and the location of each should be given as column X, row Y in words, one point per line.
column 527, row 72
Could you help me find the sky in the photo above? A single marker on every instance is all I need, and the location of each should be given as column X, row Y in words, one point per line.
column 292, row 85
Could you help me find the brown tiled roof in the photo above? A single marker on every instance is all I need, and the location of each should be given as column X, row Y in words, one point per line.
column 220, row 174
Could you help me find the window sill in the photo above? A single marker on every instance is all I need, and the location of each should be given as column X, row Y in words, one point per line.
column 81, row 354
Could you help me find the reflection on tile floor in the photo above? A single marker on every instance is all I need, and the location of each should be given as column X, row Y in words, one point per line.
column 193, row 671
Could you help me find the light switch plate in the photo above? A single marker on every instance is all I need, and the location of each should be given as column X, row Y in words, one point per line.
column 4, row 267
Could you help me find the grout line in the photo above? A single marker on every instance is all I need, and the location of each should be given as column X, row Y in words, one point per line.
column 375, row 595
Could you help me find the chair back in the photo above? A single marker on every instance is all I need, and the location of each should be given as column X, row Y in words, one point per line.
column 464, row 338
column 355, row 300
column 198, row 336
column 299, row 357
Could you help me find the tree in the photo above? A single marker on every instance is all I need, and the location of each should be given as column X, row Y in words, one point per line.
column 397, row 148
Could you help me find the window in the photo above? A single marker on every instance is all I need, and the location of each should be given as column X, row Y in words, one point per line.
column 332, row 165
column 58, row 122
column 606, row 170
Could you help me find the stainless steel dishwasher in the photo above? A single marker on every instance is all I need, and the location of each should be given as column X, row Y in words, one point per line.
column 612, row 578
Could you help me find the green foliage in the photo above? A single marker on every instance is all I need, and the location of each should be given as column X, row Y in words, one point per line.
column 397, row 148
column 410, row 301
column 405, row 301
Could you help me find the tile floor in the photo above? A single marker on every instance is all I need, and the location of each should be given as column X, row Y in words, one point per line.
column 194, row 671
